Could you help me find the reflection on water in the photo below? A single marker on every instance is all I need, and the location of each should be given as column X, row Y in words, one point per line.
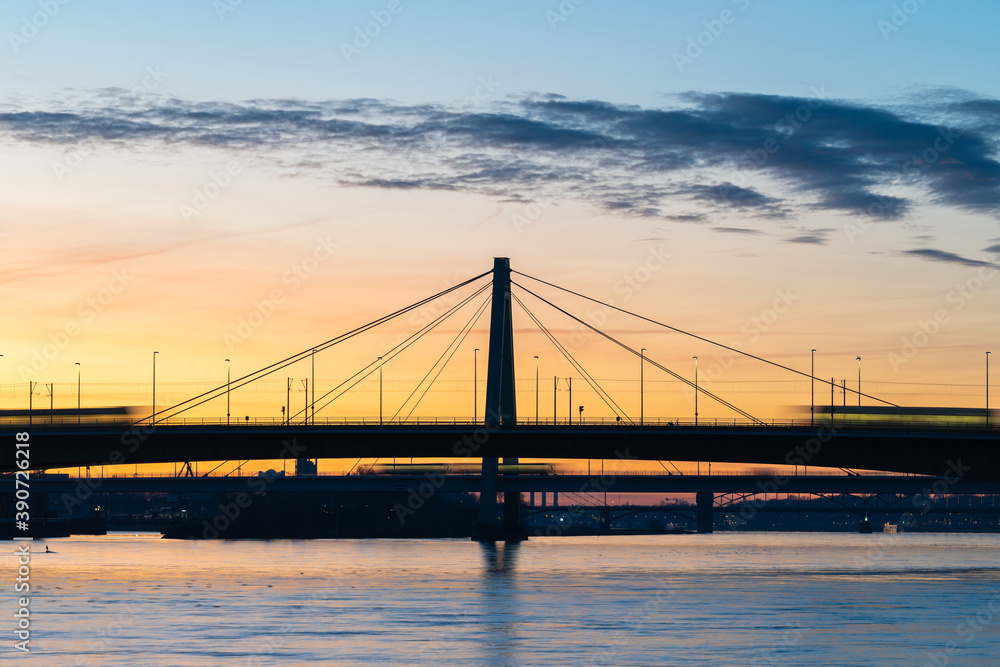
column 499, row 595
column 499, row 557
column 722, row 599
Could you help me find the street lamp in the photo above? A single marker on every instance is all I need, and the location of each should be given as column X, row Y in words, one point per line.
column 642, row 382
column 987, row 391
column 695, row 390
column 380, row 391
column 152, row 418
column 78, row 373
column 536, row 390
column 229, row 376
column 859, row 382
column 812, row 390
column 475, row 386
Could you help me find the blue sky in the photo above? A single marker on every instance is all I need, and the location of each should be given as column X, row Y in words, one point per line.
column 616, row 52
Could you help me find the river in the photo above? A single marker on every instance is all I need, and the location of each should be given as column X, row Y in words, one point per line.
column 719, row 599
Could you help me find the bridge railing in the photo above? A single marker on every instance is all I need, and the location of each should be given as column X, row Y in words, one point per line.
column 251, row 470
column 657, row 423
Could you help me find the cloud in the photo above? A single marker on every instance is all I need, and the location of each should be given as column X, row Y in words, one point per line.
column 735, row 230
column 725, row 154
column 817, row 239
column 949, row 257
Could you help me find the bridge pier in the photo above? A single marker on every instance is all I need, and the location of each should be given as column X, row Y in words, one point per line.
column 705, row 500
column 501, row 413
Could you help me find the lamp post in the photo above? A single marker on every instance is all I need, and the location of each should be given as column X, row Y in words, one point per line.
column 229, row 377
column 812, row 389
column 536, row 390
column 642, row 383
column 695, row 390
column 152, row 418
column 859, row 382
column 312, row 401
column 475, row 386
column 987, row 391
column 78, row 374
column 380, row 391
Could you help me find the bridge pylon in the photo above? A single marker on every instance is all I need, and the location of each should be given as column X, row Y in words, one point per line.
column 501, row 413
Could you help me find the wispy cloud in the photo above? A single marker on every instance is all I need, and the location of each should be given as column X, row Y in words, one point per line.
column 625, row 159
column 736, row 230
column 949, row 257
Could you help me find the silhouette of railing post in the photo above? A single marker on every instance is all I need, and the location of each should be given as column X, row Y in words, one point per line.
column 501, row 410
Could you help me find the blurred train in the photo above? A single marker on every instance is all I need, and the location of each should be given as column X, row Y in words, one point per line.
column 116, row 414
column 888, row 416
column 459, row 468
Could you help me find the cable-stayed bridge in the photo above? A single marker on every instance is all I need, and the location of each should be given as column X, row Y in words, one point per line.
column 914, row 446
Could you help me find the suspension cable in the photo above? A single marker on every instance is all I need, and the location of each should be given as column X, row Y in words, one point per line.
column 604, row 396
column 701, row 338
column 706, row 392
column 457, row 343
column 400, row 347
column 288, row 361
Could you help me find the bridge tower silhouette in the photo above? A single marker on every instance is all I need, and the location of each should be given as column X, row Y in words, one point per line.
column 501, row 413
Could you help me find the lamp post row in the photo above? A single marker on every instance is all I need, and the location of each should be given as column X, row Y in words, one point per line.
column 642, row 353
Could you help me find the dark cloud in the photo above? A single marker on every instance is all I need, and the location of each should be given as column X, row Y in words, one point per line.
column 944, row 256
column 992, row 248
column 735, row 230
column 817, row 239
column 766, row 156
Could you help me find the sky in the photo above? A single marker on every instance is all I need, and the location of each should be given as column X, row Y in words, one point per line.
column 216, row 179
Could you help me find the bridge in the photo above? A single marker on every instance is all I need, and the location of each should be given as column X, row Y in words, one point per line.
column 968, row 450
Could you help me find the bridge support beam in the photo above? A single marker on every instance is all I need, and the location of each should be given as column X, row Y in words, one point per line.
column 705, row 500
column 501, row 413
